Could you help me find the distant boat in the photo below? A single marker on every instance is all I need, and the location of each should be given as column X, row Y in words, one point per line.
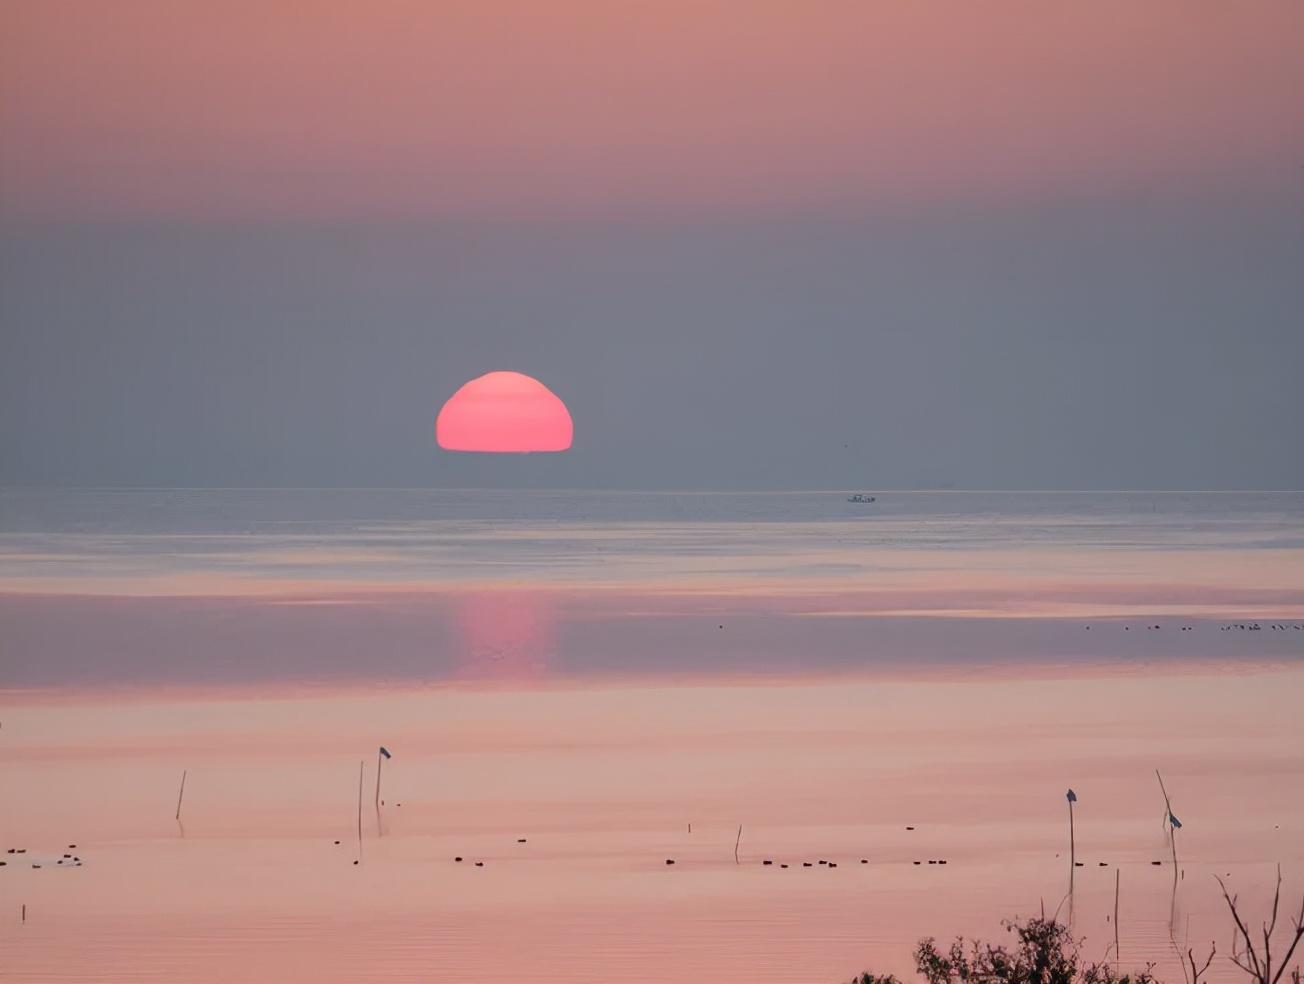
column 860, row 497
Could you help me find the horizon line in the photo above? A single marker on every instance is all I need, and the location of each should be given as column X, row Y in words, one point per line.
column 643, row 491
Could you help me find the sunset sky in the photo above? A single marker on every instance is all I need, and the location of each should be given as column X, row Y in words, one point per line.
column 749, row 244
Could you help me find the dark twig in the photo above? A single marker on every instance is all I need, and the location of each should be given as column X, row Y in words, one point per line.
column 1196, row 973
column 1246, row 955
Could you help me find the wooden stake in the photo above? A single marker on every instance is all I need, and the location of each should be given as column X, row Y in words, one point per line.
column 1168, row 807
column 737, row 842
column 1073, row 847
column 1116, row 957
column 361, row 766
column 379, row 760
column 181, row 793
column 1168, row 822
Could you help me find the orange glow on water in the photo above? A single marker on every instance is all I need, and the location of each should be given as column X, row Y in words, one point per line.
column 504, row 412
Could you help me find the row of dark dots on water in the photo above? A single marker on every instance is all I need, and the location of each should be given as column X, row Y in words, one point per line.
column 769, row 862
column 459, row 859
column 72, row 860
column 67, row 861
column 833, row 864
column 1256, row 627
column 1232, row 627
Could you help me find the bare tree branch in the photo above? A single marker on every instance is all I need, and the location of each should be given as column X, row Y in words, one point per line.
column 1251, row 958
column 1246, row 955
column 1196, row 973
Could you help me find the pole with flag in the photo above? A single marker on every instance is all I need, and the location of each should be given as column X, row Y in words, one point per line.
column 1073, row 850
column 1172, row 824
column 380, row 757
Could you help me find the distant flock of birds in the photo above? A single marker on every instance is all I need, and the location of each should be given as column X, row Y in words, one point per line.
column 67, row 861
column 1172, row 824
column 70, row 860
column 75, row 861
column 1233, row 627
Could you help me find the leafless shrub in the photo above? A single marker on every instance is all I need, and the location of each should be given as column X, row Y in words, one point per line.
column 1045, row 952
column 1256, row 959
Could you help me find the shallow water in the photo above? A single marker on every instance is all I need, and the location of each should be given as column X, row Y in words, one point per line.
column 593, row 672
column 603, row 782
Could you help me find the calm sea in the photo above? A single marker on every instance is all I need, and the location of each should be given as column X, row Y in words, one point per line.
column 307, row 586
column 579, row 686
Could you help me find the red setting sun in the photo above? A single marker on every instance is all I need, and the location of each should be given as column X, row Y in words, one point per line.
column 504, row 412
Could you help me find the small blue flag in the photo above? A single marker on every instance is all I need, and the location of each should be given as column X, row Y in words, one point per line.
column 385, row 752
column 1177, row 824
column 1073, row 797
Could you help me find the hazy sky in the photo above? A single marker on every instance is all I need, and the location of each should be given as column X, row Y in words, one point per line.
column 749, row 244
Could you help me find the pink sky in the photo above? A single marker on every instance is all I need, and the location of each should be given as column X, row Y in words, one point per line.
column 330, row 108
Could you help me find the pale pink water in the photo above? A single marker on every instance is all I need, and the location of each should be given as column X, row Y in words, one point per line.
column 603, row 782
column 595, row 671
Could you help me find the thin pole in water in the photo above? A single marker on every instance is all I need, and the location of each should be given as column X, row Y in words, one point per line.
column 181, row 793
column 382, row 753
column 1073, row 848
column 1116, row 956
column 1168, row 807
column 1072, row 797
column 1171, row 823
column 361, row 767
column 737, row 842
